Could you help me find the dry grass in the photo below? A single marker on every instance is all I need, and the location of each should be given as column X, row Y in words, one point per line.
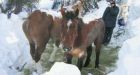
column 108, row 58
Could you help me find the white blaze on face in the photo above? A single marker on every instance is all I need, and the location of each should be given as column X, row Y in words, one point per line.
column 68, row 24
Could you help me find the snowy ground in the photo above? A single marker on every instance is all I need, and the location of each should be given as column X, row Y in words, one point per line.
column 129, row 54
column 14, row 48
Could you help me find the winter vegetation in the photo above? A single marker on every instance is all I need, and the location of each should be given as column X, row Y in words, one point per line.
column 120, row 57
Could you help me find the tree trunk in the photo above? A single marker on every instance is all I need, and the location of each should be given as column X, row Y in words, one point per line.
column 18, row 7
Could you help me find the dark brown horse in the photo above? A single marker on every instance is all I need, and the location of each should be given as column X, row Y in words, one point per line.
column 77, row 37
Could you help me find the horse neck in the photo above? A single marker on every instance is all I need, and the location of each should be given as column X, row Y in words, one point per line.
column 56, row 27
column 56, row 22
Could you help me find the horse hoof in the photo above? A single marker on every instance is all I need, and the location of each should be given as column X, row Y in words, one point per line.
column 96, row 67
column 85, row 65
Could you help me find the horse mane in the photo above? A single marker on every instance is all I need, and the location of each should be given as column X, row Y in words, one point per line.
column 80, row 27
column 56, row 21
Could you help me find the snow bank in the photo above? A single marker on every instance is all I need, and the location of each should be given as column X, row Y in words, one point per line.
column 129, row 54
column 14, row 51
column 23, row 15
column 129, row 58
column 3, row 3
column 61, row 68
column 135, row 28
column 96, row 13
column 46, row 4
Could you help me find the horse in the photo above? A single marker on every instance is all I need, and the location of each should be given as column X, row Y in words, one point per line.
column 78, row 37
column 56, row 29
column 55, row 36
column 78, row 5
column 39, row 28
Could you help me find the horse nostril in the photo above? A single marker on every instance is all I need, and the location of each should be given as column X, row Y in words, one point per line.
column 69, row 49
column 66, row 49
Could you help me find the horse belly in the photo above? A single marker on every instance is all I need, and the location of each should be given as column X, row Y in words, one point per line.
column 92, row 36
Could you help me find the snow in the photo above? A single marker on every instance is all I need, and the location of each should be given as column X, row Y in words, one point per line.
column 129, row 58
column 53, row 13
column 46, row 4
column 3, row 3
column 129, row 54
column 23, row 15
column 135, row 27
column 14, row 50
column 61, row 68
column 97, row 13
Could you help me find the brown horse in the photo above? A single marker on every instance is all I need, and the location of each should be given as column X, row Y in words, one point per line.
column 37, row 30
column 77, row 37
column 55, row 36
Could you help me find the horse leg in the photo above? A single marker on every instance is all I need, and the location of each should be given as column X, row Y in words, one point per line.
column 39, row 50
column 97, row 51
column 26, row 28
column 57, row 43
column 32, row 50
column 52, row 56
column 67, row 58
column 89, row 52
column 80, row 62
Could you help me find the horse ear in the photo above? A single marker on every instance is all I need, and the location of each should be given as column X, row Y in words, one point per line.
column 62, row 10
column 81, row 1
column 77, row 12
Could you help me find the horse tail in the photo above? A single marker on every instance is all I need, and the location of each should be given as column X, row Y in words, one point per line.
column 51, row 21
column 25, row 28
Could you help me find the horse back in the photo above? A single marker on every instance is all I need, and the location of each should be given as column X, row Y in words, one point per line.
column 56, row 28
column 38, row 26
column 92, row 31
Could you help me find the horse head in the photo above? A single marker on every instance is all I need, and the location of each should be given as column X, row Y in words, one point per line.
column 71, row 26
column 69, row 13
